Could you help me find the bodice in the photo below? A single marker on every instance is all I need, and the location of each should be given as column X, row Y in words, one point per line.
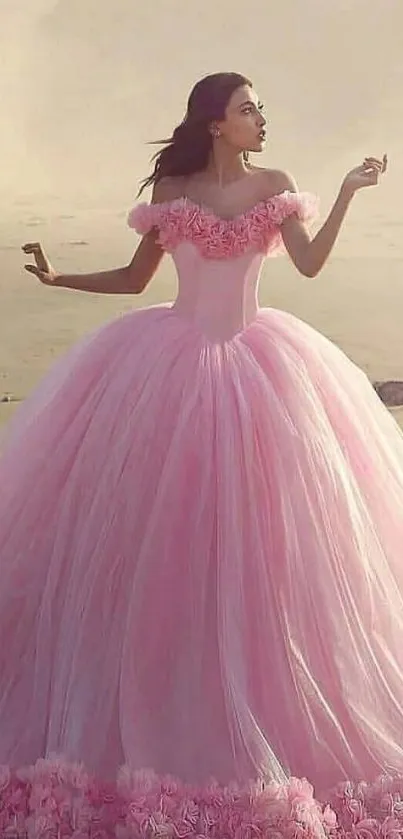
column 218, row 261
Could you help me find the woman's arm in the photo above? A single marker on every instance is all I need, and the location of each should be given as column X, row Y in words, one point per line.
column 129, row 279
column 309, row 255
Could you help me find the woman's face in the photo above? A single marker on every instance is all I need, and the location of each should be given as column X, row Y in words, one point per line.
column 243, row 126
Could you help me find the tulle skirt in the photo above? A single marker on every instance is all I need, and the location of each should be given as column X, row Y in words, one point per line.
column 201, row 567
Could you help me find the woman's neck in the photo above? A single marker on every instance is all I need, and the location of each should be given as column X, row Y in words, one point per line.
column 226, row 167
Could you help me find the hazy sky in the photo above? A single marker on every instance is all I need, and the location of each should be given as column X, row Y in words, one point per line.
column 85, row 83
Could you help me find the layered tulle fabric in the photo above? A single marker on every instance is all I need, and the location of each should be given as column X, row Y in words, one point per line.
column 200, row 559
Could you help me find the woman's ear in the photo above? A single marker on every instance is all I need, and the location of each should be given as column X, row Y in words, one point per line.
column 215, row 131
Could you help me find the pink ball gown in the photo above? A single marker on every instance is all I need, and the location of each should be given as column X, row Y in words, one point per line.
column 201, row 564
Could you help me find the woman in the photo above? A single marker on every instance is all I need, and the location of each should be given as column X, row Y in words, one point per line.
column 201, row 506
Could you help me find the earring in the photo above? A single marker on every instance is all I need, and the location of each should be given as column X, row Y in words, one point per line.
column 217, row 133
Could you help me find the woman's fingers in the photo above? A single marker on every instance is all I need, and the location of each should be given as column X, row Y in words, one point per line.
column 36, row 250
column 381, row 165
column 33, row 269
column 32, row 247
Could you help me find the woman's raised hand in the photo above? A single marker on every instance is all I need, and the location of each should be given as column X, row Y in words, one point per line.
column 367, row 174
column 41, row 268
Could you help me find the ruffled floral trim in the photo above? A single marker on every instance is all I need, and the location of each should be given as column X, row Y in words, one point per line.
column 369, row 811
column 54, row 798
column 258, row 229
column 57, row 799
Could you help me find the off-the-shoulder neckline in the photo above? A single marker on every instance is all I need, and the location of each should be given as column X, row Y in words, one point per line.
column 205, row 210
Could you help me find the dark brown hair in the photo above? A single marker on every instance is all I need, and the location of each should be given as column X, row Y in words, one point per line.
column 188, row 149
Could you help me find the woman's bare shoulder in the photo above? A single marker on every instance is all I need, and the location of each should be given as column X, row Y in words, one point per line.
column 273, row 181
column 168, row 189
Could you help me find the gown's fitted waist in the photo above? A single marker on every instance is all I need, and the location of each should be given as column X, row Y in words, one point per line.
column 218, row 298
column 219, row 260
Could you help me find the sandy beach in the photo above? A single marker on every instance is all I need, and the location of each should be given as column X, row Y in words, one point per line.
column 76, row 150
